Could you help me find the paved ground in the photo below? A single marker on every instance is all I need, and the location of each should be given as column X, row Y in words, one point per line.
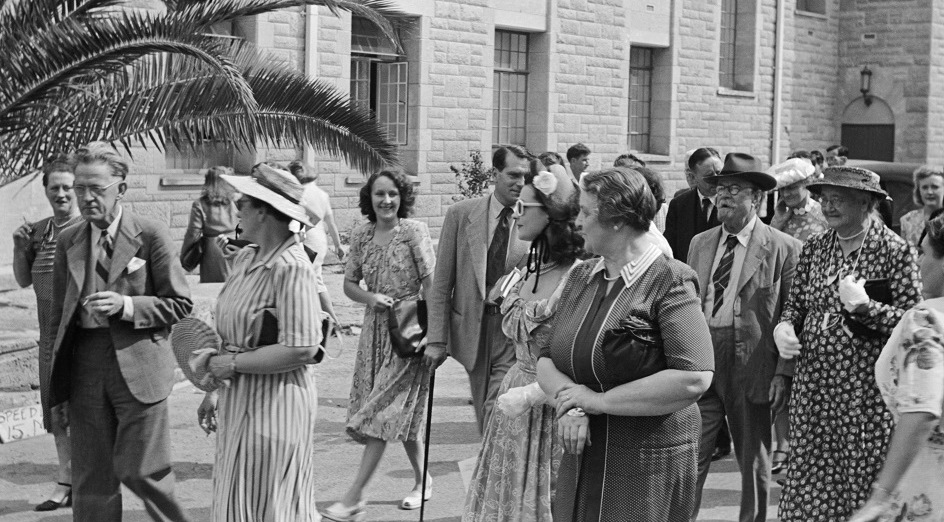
column 27, row 467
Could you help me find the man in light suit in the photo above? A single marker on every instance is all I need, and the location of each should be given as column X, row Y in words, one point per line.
column 745, row 269
column 478, row 244
column 118, row 288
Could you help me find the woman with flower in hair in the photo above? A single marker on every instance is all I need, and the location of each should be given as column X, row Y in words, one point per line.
column 517, row 465
column 910, row 375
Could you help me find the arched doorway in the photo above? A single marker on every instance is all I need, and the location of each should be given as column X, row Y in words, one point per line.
column 868, row 130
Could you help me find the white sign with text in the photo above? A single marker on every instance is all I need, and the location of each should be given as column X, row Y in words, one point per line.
column 21, row 423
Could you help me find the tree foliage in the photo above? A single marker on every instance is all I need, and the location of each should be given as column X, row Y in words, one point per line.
column 472, row 177
column 76, row 71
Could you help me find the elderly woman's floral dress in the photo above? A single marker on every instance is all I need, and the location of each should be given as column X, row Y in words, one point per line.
column 839, row 425
column 800, row 223
column 517, row 466
column 388, row 395
column 910, row 373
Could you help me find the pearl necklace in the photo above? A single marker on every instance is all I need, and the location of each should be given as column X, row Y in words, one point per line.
column 853, row 236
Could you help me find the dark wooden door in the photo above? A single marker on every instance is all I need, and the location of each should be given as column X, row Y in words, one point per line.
column 869, row 142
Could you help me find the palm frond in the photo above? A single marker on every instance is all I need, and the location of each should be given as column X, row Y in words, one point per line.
column 84, row 52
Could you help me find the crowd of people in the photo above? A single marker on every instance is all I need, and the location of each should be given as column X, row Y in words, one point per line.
column 611, row 338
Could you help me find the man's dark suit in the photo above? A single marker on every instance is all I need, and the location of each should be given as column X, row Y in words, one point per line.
column 684, row 220
column 117, row 379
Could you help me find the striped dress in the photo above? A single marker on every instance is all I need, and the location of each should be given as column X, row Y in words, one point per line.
column 40, row 254
column 264, row 466
column 641, row 469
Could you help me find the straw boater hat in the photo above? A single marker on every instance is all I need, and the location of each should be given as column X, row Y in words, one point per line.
column 738, row 165
column 792, row 171
column 187, row 336
column 276, row 187
column 849, row 177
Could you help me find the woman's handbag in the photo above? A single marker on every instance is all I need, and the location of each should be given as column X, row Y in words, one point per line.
column 191, row 258
column 633, row 350
column 406, row 320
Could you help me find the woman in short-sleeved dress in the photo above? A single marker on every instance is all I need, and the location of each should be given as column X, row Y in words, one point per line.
column 388, row 395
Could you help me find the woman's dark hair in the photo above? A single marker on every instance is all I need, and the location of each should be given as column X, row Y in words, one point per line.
column 303, row 174
column 800, row 154
column 623, row 195
column 817, row 158
column 215, row 191
column 654, row 180
column 934, row 231
column 559, row 242
column 701, row 155
column 551, row 158
column 404, row 187
column 57, row 163
column 270, row 210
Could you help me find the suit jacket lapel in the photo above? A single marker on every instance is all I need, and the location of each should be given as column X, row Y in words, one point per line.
column 78, row 255
column 757, row 249
column 476, row 231
column 126, row 246
column 706, row 262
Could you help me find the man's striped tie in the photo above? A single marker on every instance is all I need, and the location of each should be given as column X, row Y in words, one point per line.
column 722, row 275
column 105, row 251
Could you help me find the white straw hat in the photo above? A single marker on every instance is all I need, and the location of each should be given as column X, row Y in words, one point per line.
column 276, row 187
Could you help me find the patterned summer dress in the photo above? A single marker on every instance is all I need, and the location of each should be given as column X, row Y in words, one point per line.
column 517, row 466
column 910, row 373
column 912, row 224
column 839, row 425
column 265, row 467
column 641, row 469
column 40, row 255
column 802, row 223
column 388, row 395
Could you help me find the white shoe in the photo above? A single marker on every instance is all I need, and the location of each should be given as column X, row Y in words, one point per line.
column 341, row 513
column 412, row 501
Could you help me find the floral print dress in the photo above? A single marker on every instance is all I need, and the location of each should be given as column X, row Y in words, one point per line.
column 910, row 373
column 800, row 223
column 517, row 466
column 839, row 425
column 912, row 224
column 388, row 394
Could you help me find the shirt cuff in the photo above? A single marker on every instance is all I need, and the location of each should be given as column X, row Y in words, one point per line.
column 127, row 313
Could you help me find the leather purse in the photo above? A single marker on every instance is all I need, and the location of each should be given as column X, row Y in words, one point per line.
column 267, row 332
column 406, row 320
column 190, row 259
column 633, row 350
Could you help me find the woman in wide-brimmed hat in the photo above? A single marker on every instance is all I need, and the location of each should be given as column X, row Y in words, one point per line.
column 264, row 467
column 851, row 287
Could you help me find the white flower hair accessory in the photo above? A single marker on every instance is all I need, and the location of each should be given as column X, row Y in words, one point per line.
column 545, row 182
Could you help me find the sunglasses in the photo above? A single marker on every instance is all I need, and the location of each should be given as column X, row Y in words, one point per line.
column 521, row 205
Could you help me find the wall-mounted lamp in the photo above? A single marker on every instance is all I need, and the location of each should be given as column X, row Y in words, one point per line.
column 866, row 85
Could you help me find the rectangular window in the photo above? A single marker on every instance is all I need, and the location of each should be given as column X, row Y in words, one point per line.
column 728, row 43
column 379, row 79
column 202, row 157
column 640, row 98
column 510, row 91
column 812, row 6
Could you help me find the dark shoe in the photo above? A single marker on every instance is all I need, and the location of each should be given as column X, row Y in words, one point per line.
column 780, row 465
column 720, row 453
column 52, row 505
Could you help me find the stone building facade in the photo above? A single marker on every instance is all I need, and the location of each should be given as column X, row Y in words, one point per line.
column 550, row 73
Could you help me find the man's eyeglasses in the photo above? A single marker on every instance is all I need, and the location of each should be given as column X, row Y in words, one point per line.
column 96, row 190
column 733, row 190
column 520, row 205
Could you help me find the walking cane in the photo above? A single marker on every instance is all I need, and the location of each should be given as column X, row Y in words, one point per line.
column 429, row 425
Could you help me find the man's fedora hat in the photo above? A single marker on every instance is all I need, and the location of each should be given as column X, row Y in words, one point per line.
column 276, row 187
column 738, row 165
column 849, row 177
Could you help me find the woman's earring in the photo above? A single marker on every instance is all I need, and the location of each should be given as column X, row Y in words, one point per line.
column 616, row 227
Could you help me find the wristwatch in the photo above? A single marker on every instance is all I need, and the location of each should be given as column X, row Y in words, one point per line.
column 576, row 412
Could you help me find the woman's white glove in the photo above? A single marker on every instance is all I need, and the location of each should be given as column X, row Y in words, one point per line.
column 786, row 340
column 852, row 293
column 518, row 400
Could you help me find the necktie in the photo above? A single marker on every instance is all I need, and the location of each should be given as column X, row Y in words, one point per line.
column 722, row 275
column 103, row 264
column 497, row 250
column 708, row 210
